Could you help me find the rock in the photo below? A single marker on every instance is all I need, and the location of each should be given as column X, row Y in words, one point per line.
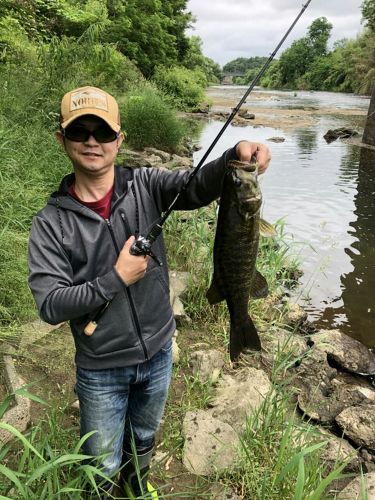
column 339, row 133
column 358, row 423
column 336, row 451
column 154, row 160
column 345, row 352
column 207, row 365
column 134, row 159
column 178, row 281
column 210, row 444
column 204, row 108
column 182, row 162
column 324, row 401
column 220, row 492
column 276, row 139
column 75, row 405
column 18, row 415
column 239, row 395
column 282, row 340
column 162, row 155
column 295, row 315
column 31, row 332
column 175, row 351
column 244, row 113
column 354, row 488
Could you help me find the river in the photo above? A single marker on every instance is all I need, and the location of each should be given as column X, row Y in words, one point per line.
column 324, row 193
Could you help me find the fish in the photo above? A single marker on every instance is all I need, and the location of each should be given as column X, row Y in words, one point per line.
column 235, row 277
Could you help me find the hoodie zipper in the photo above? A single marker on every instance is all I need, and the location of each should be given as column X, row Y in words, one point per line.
column 130, row 298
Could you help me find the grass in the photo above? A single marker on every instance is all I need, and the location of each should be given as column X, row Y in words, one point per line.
column 45, row 462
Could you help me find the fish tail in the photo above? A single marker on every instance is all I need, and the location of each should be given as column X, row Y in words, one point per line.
column 243, row 337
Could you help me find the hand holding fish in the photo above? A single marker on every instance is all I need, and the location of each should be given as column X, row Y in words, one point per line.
column 245, row 151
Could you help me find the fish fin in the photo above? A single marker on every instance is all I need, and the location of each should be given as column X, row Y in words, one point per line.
column 259, row 286
column 213, row 294
column 266, row 229
column 243, row 337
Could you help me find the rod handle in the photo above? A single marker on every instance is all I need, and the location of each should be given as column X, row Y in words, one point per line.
column 90, row 328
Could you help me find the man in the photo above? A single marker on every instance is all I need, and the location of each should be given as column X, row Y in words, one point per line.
column 82, row 270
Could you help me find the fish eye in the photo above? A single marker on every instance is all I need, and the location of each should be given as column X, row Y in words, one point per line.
column 236, row 181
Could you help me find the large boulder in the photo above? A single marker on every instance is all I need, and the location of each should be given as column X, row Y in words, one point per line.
column 358, row 423
column 240, row 395
column 345, row 352
column 354, row 489
column 210, row 444
column 207, row 365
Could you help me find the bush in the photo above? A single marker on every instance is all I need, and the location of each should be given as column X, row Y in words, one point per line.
column 184, row 87
column 149, row 121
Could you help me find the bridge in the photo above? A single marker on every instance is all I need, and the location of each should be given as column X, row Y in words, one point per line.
column 227, row 78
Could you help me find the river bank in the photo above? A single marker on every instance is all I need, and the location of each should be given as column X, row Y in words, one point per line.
column 268, row 114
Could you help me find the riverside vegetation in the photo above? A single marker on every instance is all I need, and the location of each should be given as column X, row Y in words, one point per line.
column 47, row 49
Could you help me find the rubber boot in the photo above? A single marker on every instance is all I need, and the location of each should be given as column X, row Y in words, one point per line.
column 134, row 475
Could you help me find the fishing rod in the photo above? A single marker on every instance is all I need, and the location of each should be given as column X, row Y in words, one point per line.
column 143, row 244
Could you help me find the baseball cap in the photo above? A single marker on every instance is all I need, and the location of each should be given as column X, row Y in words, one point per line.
column 89, row 101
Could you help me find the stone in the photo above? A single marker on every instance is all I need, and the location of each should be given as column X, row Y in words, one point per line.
column 178, row 281
column 339, row 133
column 347, row 353
column 353, row 490
column 336, row 451
column 18, row 415
column 162, row 155
column 133, row 159
column 220, row 492
column 210, row 444
column 175, row 351
column 31, row 332
column 358, row 423
column 182, row 162
column 276, row 139
column 207, row 365
column 295, row 315
column 244, row 113
column 323, row 401
column 282, row 340
column 239, row 395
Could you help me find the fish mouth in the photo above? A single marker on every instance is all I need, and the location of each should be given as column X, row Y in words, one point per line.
column 252, row 199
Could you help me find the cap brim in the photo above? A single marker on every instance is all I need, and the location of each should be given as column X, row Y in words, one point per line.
column 84, row 112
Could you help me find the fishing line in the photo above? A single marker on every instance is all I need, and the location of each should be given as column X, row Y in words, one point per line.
column 142, row 245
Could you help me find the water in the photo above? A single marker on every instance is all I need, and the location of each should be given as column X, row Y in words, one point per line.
column 325, row 194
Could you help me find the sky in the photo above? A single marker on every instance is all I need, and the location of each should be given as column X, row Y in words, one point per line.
column 246, row 28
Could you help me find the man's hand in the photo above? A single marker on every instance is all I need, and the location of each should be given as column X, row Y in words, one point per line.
column 131, row 268
column 245, row 150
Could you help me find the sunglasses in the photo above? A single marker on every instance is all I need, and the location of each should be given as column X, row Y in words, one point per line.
column 78, row 133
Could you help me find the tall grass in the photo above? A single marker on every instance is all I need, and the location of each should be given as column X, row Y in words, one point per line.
column 149, row 121
column 46, row 462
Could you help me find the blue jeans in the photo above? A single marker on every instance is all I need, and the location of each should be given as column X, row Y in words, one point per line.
column 121, row 402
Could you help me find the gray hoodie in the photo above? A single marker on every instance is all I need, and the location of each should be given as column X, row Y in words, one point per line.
column 72, row 252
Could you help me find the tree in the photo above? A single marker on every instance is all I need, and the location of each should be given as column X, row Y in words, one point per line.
column 149, row 32
column 368, row 13
column 194, row 59
column 298, row 59
column 369, row 133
